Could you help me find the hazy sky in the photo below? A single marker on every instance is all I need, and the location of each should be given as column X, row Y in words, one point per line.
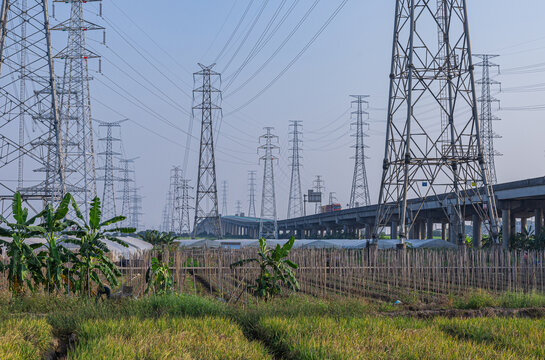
column 152, row 49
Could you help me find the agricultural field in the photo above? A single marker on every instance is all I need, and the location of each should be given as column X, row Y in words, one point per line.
column 478, row 326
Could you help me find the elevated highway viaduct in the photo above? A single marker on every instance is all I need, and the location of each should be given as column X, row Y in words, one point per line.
column 521, row 199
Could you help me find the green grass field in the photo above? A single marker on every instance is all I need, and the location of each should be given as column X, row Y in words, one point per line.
column 404, row 338
column 25, row 338
column 298, row 327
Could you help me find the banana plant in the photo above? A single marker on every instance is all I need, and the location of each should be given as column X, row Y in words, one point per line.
column 276, row 270
column 24, row 265
column 89, row 236
column 159, row 278
column 56, row 256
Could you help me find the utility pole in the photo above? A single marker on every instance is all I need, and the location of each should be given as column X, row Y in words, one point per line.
column 359, row 196
column 75, row 107
column 295, row 202
column 487, row 116
column 224, row 211
column 31, row 136
column 268, row 226
column 251, row 190
column 319, row 188
column 418, row 162
column 207, row 99
column 108, row 195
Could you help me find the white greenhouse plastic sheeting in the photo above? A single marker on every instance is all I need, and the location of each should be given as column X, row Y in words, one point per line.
column 315, row 243
column 135, row 245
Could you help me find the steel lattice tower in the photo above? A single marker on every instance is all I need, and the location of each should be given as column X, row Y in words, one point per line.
column 418, row 163
column 332, row 198
column 359, row 195
column 440, row 15
column 30, row 124
column 185, row 225
column 126, row 179
column 136, row 208
column 75, row 105
column 295, row 203
column 207, row 99
column 251, row 193
column 167, row 212
column 486, row 115
column 239, row 207
column 268, row 226
column 224, row 190
column 176, row 190
column 108, row 194
column 320, row 188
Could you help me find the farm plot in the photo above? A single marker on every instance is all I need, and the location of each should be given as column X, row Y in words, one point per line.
column 25, row 338
column 182, row 338
column 400, row 338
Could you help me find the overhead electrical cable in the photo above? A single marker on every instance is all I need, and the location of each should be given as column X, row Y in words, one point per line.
column 245, row 38
column 229, row 13
column 278, row 49
column 294, row 60
column 241, row 20
column 255, row 50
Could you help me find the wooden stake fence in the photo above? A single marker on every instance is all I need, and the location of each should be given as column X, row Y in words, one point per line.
column 384, row 274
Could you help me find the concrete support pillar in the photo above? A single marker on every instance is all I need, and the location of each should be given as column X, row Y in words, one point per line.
column 523, row 224
column 538, row 214
column 393, row 230
column 506, row 226
column 422, row 230
column 368, row 231
column 477, row 232
column 444, row 231
column 513, row 224
column 429, row 229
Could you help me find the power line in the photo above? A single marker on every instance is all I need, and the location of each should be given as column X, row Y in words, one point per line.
column 241, row 20
column 294, row 60
column 278, row 49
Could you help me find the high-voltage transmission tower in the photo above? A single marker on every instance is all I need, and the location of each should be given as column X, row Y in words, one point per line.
column 251, row 193
column 109, row 209
column 206, row 99
column 359, row 195
column 128, row 189
column 332, row 198
column 319, row 188
column 185, row 225
column 75, row 106
column 487, row 116
column 418, row 162
column 268, row 226
column 167, row 212
column 441, row 18
column 127, row 185
column 136, row 208
column 30, row 123
column 176, row 190
column 239, row 208
column 224, row 190
column 295, row 203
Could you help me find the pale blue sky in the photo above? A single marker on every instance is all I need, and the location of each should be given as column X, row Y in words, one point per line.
column 153, row 47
